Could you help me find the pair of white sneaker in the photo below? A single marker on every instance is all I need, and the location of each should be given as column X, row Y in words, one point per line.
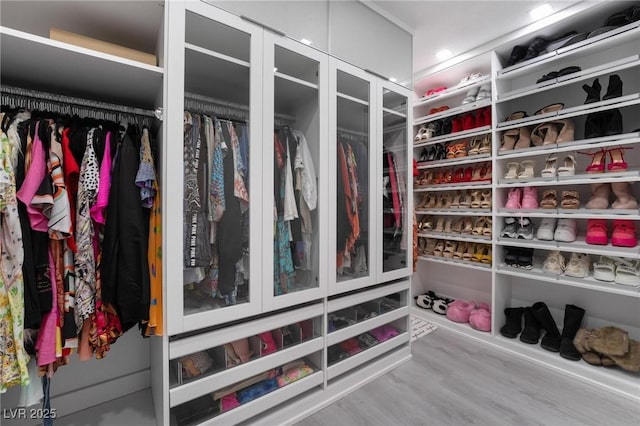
column 477, row 94
column 563, row 230
column 578, row 266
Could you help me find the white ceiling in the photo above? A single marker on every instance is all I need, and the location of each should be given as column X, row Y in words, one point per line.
column 459, row 26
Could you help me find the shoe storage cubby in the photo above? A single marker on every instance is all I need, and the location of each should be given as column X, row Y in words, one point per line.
column 228, row 362
column 565, row 181
column 600, row 310
column 364, row 325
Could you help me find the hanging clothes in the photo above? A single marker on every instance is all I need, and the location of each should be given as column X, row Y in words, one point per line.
column 13, row 357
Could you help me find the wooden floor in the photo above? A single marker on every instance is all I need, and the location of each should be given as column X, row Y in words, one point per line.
column 453, row 380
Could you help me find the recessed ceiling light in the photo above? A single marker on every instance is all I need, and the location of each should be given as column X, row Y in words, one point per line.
column 305, row 41
column 541, row 11
column 393, row 79
column 444, row 54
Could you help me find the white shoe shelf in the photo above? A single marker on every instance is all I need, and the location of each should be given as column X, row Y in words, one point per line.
column 514, row 89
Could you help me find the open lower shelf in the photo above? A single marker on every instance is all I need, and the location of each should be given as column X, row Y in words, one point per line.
column 615, row 379
column 538, row 274
column 353, row 361
column 455, row 262
column 444, row 322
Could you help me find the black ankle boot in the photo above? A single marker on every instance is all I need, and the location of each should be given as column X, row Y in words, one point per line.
column 446, row 126
column 572, row 318
column 537, row 46
column 613, row 124
column 531, row 332
column 514, row 322
column 593, row 92
column 517, row 54
column 614, row 90
column 595, row 124
column 552, row 338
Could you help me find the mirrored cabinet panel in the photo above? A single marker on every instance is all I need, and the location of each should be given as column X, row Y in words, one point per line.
column 397, row 239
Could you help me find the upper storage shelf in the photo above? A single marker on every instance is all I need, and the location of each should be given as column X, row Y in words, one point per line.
column 71, row 70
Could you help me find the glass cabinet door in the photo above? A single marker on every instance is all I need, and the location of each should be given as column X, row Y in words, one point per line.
column 352, row 170
column 395, row 226
column 295, row 138
column 220, row 131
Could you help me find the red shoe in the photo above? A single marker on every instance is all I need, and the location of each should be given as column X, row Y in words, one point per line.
column 484, row 117
column 468, row 174
column 598, row 159
column 617, row 163
column 597, row 232
column 457, row 124
column 624, row 233
column 468, row 121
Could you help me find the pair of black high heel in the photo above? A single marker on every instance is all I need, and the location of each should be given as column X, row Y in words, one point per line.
column 433, row 153
column 603, row 123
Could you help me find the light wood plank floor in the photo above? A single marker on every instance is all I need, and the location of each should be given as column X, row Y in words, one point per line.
column 454, row 380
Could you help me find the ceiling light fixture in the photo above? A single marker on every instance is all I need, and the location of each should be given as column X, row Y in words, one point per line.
column 305, row 41
column 444, row 54
column 275, row 69
column 393, row 79
column 541, row 11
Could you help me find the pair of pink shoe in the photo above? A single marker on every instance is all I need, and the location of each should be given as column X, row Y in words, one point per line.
column 623, row 235
column 520, row 198
column 477, row 315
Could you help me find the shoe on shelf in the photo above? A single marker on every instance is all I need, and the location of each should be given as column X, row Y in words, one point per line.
column 599, row 196
column 566, row 231
column 628, row 272
column 549, row 166
column 597, row 232
column 430, row 248
column 440, row 305
column 511, row 256
column 439, row 248
column 525, row 230
column 616, row 157
column 474, row 145
column 485, row 202
column 459, row 310
column 554, row 263
column 531, row 331
column 614, row 89
column 530, row 198
column 612, row 122
column 593, row 92
column 546, row 229
column 544, row 134
column 568, row 167
column 570, row 200
column 527, row 169
column 624, row 233
column 578, row 265
column 597, row 161
column 524, row 138
column 572, row 319
column 566, row 130
column 512, row 170
column 624, row 199
column 549, row 199
column 484, row 92
column 485, row 144
column 525, row 258
column 510, row 228
column 480, row 318
column 509, row 139
column 425, row 301
column 605, row 269
column 449, row 248
column 471, row 95
column 514, row 199
column 552, row 338
column 513, row 324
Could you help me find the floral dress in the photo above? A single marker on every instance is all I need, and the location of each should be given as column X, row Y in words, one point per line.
column 13, row 358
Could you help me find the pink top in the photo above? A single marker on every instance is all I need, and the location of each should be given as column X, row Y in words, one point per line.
column 34, row 177
column 46, row 342
column 104, row 185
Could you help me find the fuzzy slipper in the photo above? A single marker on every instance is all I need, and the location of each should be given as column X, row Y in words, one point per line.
column 631, row 360
column 595, row 358
column 425, row 301
column 441, row 305
column 606, row 340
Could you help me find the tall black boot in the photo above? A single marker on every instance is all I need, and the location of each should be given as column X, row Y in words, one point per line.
column 593, row 92
column 614, row 90
column 514, row 322
column 595, row 124
column 572, row 319
column 531, row 332
column 613, row 125
column 552, row 338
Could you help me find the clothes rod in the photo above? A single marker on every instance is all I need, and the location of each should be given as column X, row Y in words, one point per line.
column 352, row 132
column 69, row 100
column 231, row 105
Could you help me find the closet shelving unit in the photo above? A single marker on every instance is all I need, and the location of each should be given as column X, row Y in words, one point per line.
column 515, row 89
column 211, row 62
